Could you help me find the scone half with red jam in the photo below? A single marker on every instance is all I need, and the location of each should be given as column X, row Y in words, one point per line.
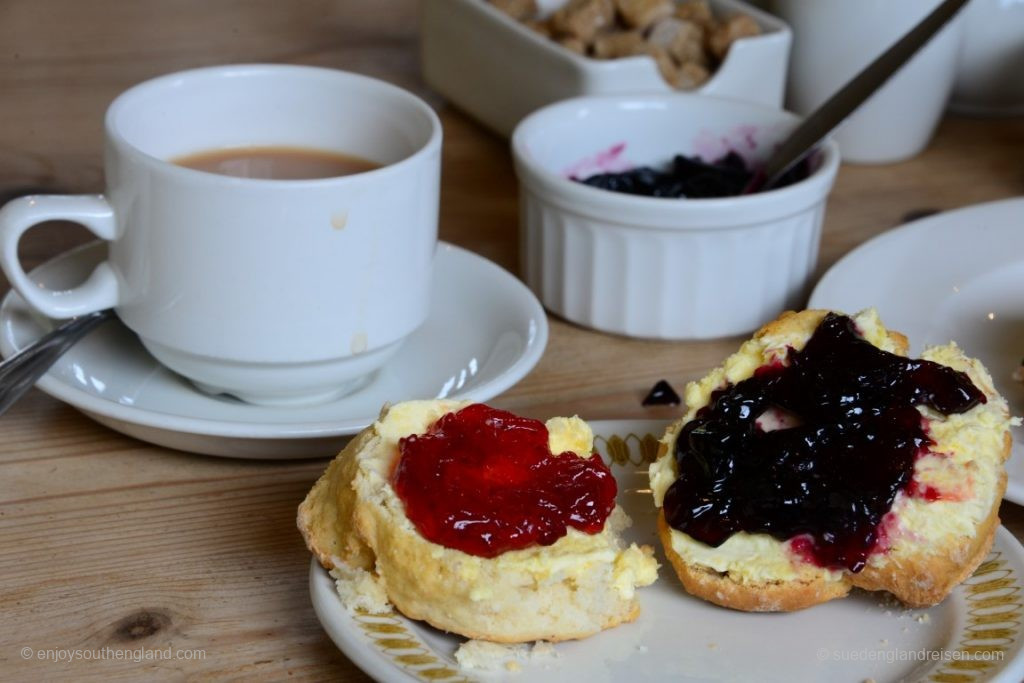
column 818, row 458
column 479, row 522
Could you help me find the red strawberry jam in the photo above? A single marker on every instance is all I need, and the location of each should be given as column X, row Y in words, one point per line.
column 831, row 478
column 483, row 481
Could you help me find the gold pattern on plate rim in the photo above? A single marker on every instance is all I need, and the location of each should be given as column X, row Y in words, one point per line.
column 619, row 451
column 394, row 640
column 994, row 611
column 994, row 599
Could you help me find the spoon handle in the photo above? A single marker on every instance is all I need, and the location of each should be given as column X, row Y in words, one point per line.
column 19, row 372
column 850, row 96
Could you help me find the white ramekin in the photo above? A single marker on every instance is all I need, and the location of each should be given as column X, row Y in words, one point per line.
column 499, row 70
column 663, row 268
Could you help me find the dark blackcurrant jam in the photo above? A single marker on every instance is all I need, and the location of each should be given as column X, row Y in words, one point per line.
column 690, row 177
column 833, row 476
column 483, row 481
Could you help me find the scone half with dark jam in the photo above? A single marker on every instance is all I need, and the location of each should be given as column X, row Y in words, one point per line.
column 820, row 458
column 479, row 522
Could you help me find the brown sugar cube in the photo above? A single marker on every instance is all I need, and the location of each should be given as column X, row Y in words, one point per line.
column 683, row 39
column 573, row 44
column 697, row 11
column 690, row 76
column 729, row 31
column 642, row 13
column 686, row 77
column 541, row 27
column 520, row 10
column 614, row 44
column 666, row 65
column 583, row 18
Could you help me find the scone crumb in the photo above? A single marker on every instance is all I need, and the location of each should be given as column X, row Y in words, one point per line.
column 483, row 654
column 887, row 600
column 923, row 618
column 359, row 589
column 542, row 649
column 488, row 656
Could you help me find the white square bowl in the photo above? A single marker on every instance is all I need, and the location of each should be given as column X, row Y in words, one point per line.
column 499, row 70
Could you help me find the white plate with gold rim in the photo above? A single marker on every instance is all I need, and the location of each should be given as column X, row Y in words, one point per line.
column 974, row 635
column 485, row 331
column 957, row 275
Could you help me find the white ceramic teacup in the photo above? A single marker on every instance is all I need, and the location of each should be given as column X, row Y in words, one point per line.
column 275, row 291
column 834, row 39
column 990, row 74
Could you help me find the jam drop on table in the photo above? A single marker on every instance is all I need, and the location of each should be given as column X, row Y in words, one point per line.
column 690, row 177
column 661, row 394
column 483, row 481
column 835, row 474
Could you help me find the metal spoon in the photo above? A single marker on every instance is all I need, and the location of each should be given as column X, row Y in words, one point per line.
column 829, row 115
column 19, row 372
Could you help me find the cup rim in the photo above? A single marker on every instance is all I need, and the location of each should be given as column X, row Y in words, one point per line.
column 650, row 211
column 118, row 140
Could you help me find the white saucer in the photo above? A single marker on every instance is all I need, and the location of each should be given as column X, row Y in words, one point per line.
column 955, row 276
column 486, row 330
column 680, row 638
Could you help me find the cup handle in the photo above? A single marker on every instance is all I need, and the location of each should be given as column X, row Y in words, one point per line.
column 99, row 291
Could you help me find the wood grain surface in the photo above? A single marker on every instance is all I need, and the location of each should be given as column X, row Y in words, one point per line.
column 109, row 541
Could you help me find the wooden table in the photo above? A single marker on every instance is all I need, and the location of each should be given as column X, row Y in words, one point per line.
column 108, row 541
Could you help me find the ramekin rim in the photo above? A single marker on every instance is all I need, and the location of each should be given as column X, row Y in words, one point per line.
column 807, row 191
